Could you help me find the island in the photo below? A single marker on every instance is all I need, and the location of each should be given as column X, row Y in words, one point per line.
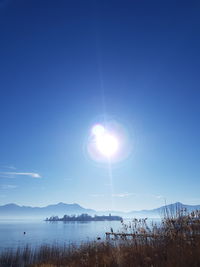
column 83, row 218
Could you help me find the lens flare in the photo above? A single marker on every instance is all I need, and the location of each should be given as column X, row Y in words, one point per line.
column 108, row 141
column 98, row 130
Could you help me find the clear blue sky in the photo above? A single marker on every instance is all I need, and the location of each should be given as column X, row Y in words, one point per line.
column 64, row 64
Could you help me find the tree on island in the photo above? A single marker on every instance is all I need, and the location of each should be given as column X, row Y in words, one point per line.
column 84, row 217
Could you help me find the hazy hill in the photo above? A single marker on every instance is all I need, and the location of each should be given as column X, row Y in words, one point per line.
column 60, row 209
column 159, row 212
column 14, row 211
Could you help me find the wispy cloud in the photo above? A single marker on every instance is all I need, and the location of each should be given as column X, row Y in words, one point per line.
column 15, row 174
column 128, row 194
column 158, row 196
column 123, row 194
column 8, row 186
column 11, row 167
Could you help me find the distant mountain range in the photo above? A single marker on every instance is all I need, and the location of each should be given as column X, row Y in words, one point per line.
column 60, row 209
column 14, row 211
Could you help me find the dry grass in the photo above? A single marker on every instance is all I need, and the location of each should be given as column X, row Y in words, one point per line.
column 176, row 242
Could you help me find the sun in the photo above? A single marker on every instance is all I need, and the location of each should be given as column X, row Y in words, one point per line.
column 106, row 143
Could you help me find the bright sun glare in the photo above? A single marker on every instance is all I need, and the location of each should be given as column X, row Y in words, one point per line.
column 106, row 143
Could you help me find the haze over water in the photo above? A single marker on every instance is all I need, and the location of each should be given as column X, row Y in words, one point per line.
column 60, row 233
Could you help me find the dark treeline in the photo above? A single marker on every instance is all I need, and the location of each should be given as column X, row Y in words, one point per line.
column 84, row 217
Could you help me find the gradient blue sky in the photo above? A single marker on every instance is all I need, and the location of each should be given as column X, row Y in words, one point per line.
column 63, row 65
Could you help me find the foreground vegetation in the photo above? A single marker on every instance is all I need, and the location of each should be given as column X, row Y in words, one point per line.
column 176, row 242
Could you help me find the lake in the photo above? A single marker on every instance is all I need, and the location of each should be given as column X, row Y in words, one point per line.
column 59, row 233
column 41, row 232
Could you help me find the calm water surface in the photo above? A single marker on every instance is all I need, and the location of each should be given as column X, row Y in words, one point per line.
column 60, row 233
column 41, row 232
